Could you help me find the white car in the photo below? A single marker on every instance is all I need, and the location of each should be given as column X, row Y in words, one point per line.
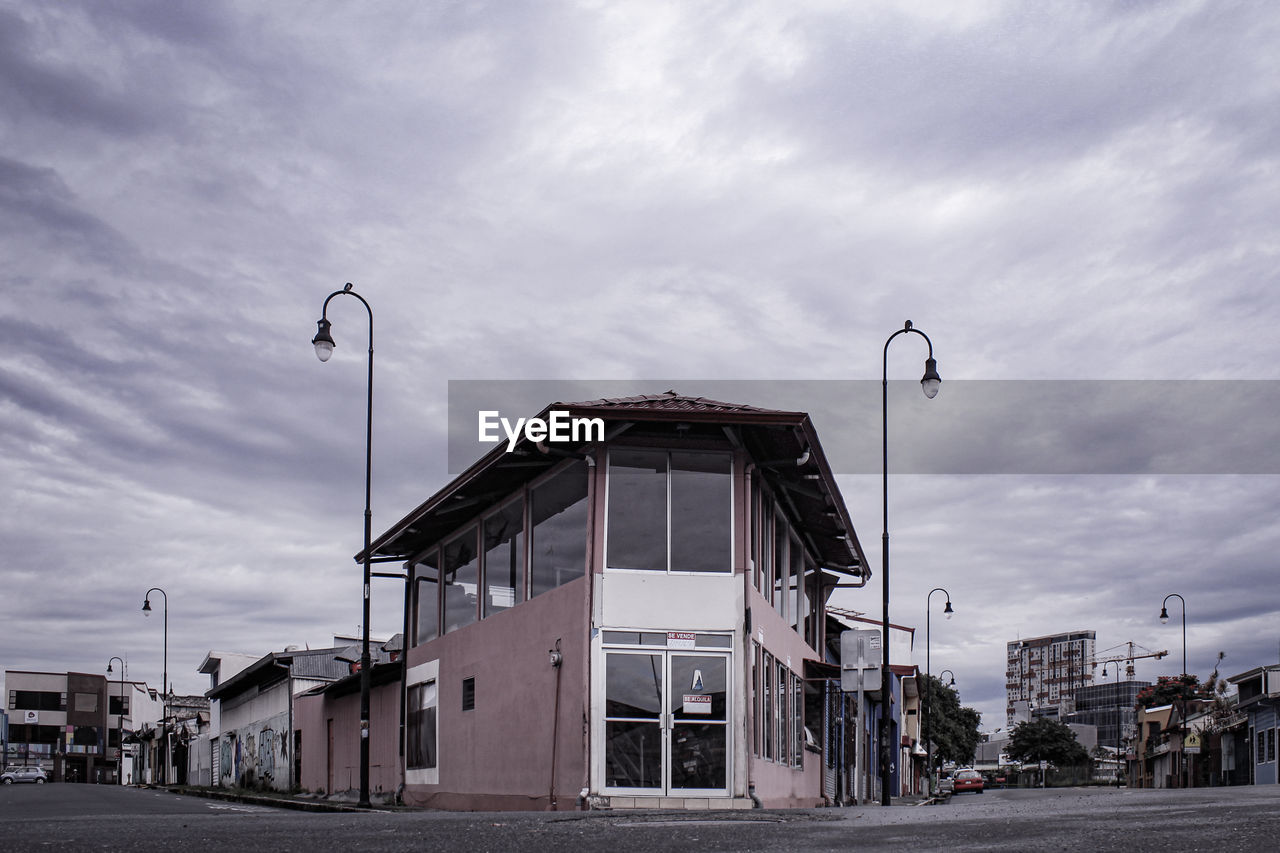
column 23, row 774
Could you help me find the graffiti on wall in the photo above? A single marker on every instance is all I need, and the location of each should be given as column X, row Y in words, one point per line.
column 251, row 755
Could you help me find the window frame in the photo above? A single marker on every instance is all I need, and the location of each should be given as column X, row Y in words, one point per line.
column 729, row 508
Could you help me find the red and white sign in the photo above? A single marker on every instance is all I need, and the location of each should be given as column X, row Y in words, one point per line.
column 30, row 718
column 694, row 704
column 681, row 639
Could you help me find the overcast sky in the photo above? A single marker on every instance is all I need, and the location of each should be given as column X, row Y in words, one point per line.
column 643, row 191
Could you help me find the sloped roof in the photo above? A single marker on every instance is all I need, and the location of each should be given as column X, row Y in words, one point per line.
column 783, row 445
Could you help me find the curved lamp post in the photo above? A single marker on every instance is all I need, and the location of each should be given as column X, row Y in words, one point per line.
column 928, row 681
column 164, row 685
column 929, row 383
column 1119, row 714
column 324, row 345
column 119, row 722
column 952, row 682
column 1182, row 728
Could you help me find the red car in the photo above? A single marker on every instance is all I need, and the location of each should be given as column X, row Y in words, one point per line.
column 968, row 780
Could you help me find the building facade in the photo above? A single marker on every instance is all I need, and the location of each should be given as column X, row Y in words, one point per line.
column 634, row 616
column 1259, row 701
column 72, row 724
column 1042, row 674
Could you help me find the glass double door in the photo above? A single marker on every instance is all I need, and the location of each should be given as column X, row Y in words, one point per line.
column 666, row 722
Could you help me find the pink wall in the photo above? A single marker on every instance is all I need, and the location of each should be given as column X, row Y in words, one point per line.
column 311, row 715
column 499, row 755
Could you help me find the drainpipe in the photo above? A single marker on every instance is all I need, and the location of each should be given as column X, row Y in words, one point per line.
column 592, row 516
column 556, row 660
column 747, row 655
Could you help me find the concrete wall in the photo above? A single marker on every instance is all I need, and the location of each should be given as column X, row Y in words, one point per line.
column 499, row 755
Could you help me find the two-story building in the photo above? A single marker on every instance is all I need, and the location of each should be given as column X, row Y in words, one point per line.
column 1259, row 700
column 633, row 615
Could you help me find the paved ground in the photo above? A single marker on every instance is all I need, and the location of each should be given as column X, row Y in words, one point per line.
column 91, row 817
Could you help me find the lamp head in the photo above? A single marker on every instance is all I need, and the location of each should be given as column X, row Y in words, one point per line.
column 947, row 611
column 109, row 669
column 323, row 341
column 931, row 381
column 146, row 607
column 1164, row 615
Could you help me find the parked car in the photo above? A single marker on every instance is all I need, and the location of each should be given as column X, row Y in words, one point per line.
column 23, row 774
column 946, row 784
column 968, row 780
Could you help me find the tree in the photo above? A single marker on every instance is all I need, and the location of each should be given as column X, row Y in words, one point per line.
column 952, row 728
column 1169, row 689
column 1046, row 740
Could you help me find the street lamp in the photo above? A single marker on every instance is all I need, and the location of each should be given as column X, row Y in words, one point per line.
column 929, row 383
column 324, row 345
column 952, row 682
column 164, row 688
column 1119, row 713
column 119, row 722
column 1182, row 725
column 928, row 680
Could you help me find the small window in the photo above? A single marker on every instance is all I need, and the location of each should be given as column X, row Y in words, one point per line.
column 421, row 747
column 469, row 694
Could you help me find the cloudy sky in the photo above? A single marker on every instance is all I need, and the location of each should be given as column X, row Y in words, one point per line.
column 662, row 194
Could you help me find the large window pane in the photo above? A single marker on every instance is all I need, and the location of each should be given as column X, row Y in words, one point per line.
column 559, row 536
column 780, row 566
column 461, row 581
column 504, row 558
column 701, row 513
column 633, row 686
column 637, row 509
column 698, row 755
column 426, row 598
column 632, row 754
column 796, row 582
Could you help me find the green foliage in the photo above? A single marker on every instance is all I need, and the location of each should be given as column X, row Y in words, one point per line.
column 1046, row 740
column 952, row 728
column 1169, row 689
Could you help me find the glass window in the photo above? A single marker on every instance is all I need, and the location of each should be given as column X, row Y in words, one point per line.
column 86, row 702
column 421, row 747
column 798, row 605
column 766, row 709
column 755, row 699
column 633, row 725
column 1271, row 744
column 558, row 539
column 766, row 547
column 504, row 558
column 461, row 581
column 781, row 721
column 780, row 566
column 670, row 511
column 638, row 509
column 797, row 721
column 426, row 598
column 701, row 512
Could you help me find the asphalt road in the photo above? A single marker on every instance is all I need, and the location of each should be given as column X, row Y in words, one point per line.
column 92, row 817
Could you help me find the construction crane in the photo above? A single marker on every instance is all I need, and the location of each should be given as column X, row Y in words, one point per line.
column 1129, row 658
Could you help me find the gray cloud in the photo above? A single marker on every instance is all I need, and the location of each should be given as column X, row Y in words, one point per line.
column 556, row 192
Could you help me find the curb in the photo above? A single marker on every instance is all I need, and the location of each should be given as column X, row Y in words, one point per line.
column 273, row 802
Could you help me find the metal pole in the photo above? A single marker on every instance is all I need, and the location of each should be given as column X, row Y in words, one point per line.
column 886, row 703
column 365, row 660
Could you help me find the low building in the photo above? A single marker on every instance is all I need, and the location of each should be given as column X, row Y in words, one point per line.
column 1259, row 701
column 632, row 616
column 256, row 714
